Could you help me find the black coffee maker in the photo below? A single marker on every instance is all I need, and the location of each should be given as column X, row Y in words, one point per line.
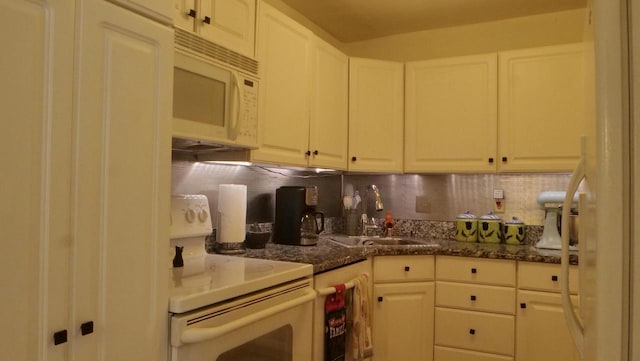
column 296, row 216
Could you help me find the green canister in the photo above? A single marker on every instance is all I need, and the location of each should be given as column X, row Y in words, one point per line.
column 514, row 231
column 490, row 228
column 466, row 227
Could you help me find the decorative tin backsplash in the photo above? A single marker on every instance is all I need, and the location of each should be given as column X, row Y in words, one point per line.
column 427, row 197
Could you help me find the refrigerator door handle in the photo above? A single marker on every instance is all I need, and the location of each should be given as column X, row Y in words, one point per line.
column 574, row 321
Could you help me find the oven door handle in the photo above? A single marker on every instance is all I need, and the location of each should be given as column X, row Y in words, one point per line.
column 195, row 335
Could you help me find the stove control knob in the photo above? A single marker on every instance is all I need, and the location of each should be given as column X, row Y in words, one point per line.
column 203, row 215
column 190, row 215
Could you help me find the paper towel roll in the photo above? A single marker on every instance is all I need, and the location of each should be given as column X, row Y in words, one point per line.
column 232, row 213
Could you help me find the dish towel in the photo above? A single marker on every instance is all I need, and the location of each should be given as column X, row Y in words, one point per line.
column 361, row 346
column 335, row 329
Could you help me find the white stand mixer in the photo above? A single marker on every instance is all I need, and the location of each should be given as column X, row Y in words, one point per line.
column 551, row 202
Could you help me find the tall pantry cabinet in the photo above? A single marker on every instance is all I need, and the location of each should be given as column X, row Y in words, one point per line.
column 86, row 142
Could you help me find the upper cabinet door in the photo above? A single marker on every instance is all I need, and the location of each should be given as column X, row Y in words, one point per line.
column 284, row 49
column 329, row 124
column 159, row 10
column 376, row 112
column 451, row 114
column 230, row 23
column 542, row 108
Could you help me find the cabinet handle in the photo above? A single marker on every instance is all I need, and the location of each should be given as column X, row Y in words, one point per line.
column 491, row 160
column 191, row 13
column 472, row 331
column 554, row 278
column 307, row 153
column 206, row 20
column 353, row 159
column 86, row 328
column 59, row 337
column 523, row 305
column 315, row 152
column 473, row 297
column 407, row 268
column 474, row 270
column 380, row 298
column 504, row 159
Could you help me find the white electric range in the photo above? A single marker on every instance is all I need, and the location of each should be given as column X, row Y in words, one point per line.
column 230, row 308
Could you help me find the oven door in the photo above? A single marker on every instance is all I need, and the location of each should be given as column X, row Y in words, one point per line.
column 273, row 325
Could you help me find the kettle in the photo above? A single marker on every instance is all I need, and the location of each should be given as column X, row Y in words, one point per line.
column 309, row 228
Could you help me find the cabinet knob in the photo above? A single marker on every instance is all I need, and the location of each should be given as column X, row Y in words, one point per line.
column 504, row 159
column 206, row 20
column 191, row 13
column 473, row 297
column 554, row 278
column 523, row 305
column 315, row 152
column 474, row 270
column 380, row 298
column 307, row 153
column 491, row 160
column 472, row 331
column 353, row 159
column 86, row 328
column 407, row 268
column 59, row 337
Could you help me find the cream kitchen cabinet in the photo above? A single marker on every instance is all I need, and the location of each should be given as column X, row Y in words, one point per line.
column 542, row 108
column 303, row 96
column 157, row 10
column 88, row 145
column 541, row 332
column 451, row 114
column 474, row 309
column 229, row 23
column 376, row 115
column 524, row 112
column 403, row 297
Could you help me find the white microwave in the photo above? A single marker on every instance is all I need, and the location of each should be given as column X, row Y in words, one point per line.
column 213, row 102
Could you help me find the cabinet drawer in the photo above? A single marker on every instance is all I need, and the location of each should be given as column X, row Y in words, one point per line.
column 545, row 277
column 476, row 270
column 476, row 331
column 403, row 268
column 451, row 354
column 476, row 297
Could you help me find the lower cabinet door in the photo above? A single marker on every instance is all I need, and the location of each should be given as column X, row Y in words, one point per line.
column 451, row 354
column 542, row 333
column 403, row 321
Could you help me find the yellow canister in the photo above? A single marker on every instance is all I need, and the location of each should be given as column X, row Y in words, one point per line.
column 514, row 231
column 490, row 228
column 466, row 227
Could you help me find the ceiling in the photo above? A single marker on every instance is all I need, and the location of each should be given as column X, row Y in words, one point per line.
column 356, row 20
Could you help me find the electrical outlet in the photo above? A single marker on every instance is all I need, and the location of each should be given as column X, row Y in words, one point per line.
column 498, row 200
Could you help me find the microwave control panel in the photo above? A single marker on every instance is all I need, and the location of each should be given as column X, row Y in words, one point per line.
column 248, row 117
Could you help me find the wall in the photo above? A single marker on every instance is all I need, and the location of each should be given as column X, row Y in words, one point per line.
column 409, row 196
column 524, row 32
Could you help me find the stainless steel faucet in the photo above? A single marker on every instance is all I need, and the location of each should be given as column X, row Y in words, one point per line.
column 369, row 227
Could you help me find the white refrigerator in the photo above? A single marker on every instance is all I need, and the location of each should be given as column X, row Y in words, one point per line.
column 608, row 326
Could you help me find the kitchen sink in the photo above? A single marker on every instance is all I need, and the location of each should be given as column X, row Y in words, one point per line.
column 351, row 241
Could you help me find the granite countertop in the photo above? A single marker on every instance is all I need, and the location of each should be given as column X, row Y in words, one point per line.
column 328, row 255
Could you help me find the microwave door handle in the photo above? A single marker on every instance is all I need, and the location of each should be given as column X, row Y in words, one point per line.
column 196, row 334
column 236, row 101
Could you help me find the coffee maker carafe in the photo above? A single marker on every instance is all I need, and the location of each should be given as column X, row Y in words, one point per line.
column 297, row 220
